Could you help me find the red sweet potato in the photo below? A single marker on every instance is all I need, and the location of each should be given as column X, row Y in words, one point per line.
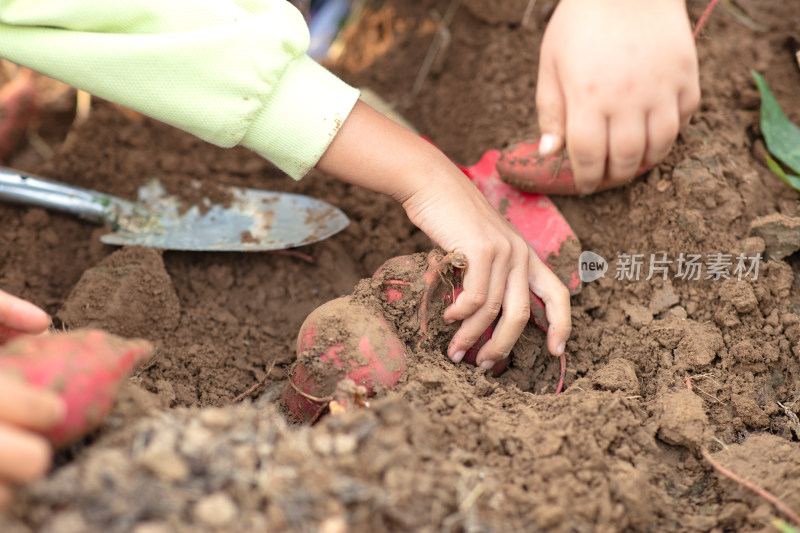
column 341, row 340
column 19, row 103
column 84, row 367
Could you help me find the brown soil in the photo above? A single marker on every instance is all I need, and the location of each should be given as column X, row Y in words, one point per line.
column 453, row 448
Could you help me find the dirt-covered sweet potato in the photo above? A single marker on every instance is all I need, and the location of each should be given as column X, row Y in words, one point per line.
column 341, row 340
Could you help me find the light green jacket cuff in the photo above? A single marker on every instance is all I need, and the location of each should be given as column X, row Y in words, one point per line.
column 231, row 72
column 311, row 104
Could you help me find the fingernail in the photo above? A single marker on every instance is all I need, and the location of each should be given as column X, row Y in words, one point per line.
column 449, row 320
column 561, row 348
column 486, row 365
column 458, row 356
column 547, row 143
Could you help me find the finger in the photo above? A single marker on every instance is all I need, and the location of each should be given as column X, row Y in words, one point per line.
column 662, row 129
column 587, row 145
column 5, row 495
column 515, row 315
column 688, row 102
column 24, row 456
column 627, row 142
column 555, row 296
column 21, row 315
column 482, row 316
column 550, row 108
column 477, row 280
column 25, row 406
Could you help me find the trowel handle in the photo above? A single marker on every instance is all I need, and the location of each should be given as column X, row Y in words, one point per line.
column 26, row 189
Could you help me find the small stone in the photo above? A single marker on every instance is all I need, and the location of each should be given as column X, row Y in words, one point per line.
column 344, row 444
column 194, row 439
column 166, row 465
column 781, row 234
column 245, row 457
column 216, row 418
column 663, row 185
column 334, row 524
column 161, row 459
column 677, row 312
column 216, row 510
column 322, row 443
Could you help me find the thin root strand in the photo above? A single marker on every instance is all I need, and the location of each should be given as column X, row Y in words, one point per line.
column 768, row 496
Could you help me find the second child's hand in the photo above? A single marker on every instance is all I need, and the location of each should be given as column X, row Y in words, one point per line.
column 617, row 80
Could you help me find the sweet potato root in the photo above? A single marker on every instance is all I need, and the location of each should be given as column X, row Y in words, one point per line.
column 84, row 367
column 428, row 287
column 341, row 340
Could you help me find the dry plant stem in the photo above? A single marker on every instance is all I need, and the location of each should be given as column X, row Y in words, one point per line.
column 528, row 10
column 293, row 253
column 704, row 17
column 39, row 145
column 83, row 107
column 255, row 385
column 794, row 517
column 439, row 44
column 794, row 421
column 316, row 399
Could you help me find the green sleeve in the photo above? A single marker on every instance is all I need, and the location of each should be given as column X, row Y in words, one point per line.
column 230, row 72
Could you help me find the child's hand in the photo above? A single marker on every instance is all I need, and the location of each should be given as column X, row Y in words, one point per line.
column 374, row 152
column 24, row 455
column 18, row 317
column 501, row 266
column 617, row 80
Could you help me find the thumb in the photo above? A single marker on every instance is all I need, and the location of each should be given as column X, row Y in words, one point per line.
column 550, row 108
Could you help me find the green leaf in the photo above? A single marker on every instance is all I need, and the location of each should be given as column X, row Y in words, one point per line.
column 790, row 179
column 780, row 134
column 783, row 527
